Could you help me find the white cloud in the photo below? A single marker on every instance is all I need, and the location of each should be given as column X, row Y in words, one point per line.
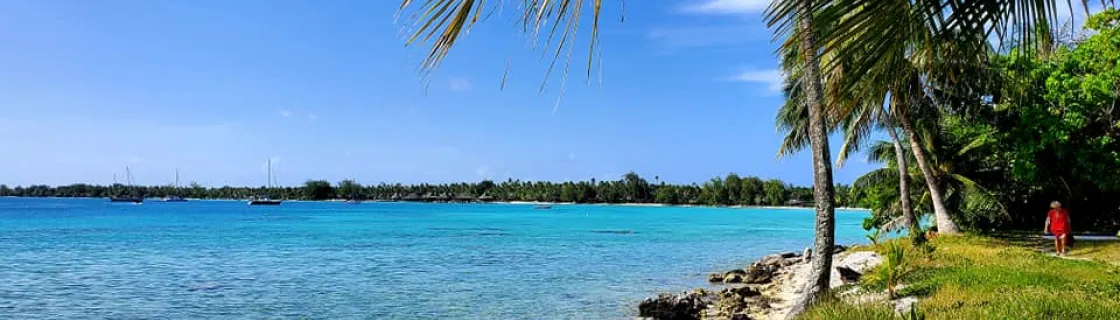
column 728, row 6
column 312, row 116
column 459, row 84
column 771, row 78
column 132, row 159
column 285, row 113
column 571, row 156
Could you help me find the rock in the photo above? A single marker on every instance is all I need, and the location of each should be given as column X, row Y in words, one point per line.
column 763, row 270
column 744, row 291
column 788, row 255
column 667, row 306
column 902, row 305
column 715, row 277
column 739, row 316
column 860, row 261
column 807, row 254
column 839, row 248
column 848, row 275
column 733, row 276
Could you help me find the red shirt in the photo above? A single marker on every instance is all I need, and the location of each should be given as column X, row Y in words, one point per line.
column 1058, row 218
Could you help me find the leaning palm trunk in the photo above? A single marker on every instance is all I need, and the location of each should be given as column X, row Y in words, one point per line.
column 821, row 271
column 904, row 186
column 945, row 223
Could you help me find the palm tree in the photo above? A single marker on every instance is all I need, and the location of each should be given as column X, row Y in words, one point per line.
column 872, row 36
column 802, row 14
column 443, row 21
column 855, row 116
column 955, row 148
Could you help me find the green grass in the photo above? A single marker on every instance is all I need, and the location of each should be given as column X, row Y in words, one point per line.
column 973, row 277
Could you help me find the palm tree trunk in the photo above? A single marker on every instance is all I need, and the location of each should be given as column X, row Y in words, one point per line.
column 945, row 224
column 823, row 244
column 904, row 186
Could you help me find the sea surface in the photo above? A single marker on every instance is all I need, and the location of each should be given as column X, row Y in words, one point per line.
column 91, row 259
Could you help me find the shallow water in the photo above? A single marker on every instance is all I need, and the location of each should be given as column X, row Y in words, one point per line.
column 91, row 259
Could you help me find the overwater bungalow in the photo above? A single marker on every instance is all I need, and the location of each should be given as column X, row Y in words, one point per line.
column 485, row 198
column 464, row 197
column 413, row 197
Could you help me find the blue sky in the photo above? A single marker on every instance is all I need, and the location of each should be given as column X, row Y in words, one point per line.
column 329, row 91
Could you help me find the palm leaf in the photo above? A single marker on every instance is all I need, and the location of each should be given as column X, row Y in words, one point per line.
column 442, row 22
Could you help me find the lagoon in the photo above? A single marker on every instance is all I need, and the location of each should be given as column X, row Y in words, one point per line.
column 91, row 259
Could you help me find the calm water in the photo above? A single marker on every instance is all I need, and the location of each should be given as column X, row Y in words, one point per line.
column 90, row 259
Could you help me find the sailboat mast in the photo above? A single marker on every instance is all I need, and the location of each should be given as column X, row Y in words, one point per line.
column 270, row 173
column 176, row 177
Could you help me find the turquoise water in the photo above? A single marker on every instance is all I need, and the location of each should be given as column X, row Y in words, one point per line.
column 91, row 259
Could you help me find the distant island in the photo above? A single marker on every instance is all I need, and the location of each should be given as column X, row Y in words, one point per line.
column 730, row 190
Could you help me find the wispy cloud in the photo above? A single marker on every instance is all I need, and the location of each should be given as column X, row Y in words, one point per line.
column 459, row 84
column 285, row 113
column 483, row 172
column 771, row 78
column 312, row 117
column 727, row 6
column 571, row 156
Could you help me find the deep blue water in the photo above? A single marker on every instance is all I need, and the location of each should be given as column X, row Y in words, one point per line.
column 91, row 259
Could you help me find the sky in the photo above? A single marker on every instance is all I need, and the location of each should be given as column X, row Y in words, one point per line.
column 328, row 90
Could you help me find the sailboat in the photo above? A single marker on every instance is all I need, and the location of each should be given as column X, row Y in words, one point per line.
column 264, row 200
column 130, row 196
column 175, row 198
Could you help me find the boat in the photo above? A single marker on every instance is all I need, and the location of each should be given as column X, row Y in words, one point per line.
column 542, row 206
column 133, row 198
column 173, row 198
column 264, row 200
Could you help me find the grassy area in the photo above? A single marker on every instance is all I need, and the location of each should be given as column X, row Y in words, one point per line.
column 972, row 277
column 1097, row 250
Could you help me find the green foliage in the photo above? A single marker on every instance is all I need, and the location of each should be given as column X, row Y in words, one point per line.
column 318, row 190
column 1006, row 138
column 873, row 237
column 349, row 189
column 894, row 268
column 630, row 188
column 914, row 314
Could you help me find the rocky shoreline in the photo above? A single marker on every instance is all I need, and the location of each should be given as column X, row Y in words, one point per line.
column 765, row 289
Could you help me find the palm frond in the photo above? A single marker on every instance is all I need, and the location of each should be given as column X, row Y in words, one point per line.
column 877, row 177
column 443, row 22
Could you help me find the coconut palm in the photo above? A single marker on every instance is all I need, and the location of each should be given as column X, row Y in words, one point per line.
column 869, row 23
column 857, row 117
column 876, row 39
column 955, row 149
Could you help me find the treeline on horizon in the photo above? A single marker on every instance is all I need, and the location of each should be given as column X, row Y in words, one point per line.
column 729, row 190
